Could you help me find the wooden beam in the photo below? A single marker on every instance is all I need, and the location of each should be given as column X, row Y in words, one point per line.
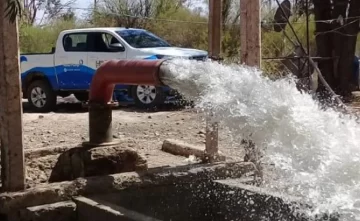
column 215, row 27
column 12, row 154
column 250, row 32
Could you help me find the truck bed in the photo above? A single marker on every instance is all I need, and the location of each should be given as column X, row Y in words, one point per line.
column 30, row 62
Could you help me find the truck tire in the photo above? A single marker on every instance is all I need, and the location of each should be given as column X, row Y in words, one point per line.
column 147, row 97
column 41, row 96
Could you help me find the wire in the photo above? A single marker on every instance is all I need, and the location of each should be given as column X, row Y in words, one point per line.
column 264, row 22
column 338, row 28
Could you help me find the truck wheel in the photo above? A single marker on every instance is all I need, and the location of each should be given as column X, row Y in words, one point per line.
column 147, row 97
column 41, row 97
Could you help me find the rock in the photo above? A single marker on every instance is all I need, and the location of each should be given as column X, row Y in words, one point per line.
column 201, row 132
column 82, row 162
column 41, row 116
column 149, row 117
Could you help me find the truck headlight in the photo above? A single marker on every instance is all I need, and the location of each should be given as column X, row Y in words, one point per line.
column 165, row 57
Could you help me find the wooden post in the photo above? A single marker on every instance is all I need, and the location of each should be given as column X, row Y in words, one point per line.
column 12, row 154
column 250, row 32
column 215, row 27
column 215, row 17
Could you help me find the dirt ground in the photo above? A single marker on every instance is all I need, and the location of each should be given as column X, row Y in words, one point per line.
column 143, row 131
column 69, row 126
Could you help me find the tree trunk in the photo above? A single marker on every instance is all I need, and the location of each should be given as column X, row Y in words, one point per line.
column 322, row 10
column 344, row 45
column 337, row 40
column 12, row 155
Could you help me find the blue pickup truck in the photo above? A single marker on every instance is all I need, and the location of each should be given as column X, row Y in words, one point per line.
column 69, row 68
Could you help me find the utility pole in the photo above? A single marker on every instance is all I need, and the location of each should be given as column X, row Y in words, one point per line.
column 11, row 134
column 215, row 17
column 250, row 32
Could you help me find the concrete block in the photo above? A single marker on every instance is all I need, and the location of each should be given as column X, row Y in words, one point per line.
column 56, row 192
column 252, row 203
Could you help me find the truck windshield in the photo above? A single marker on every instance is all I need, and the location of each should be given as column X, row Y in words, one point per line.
column 142, row 39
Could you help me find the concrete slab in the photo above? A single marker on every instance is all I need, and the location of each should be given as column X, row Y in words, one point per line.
column 61, row 211
column 94, row 209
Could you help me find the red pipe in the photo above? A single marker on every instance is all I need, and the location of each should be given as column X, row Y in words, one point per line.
column 131, row 72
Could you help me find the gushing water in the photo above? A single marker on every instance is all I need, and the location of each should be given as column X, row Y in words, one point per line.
column 315, row 152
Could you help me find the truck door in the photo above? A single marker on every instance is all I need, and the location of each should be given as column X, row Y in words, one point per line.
column 71, row 62
column 100, row 50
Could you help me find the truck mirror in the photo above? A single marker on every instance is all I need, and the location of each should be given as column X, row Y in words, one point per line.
column 116, row 47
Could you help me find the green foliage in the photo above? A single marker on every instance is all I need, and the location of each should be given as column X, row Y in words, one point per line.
column 41, row 39
column 192, row 32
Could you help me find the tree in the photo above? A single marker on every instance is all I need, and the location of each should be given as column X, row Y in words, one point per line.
column 135, row 13
column 51, row 9
column 12, row 152
column 335, row 39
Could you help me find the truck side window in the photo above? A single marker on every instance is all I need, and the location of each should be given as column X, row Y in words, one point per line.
column 75, row 42
column 109, row 39
column 99, row 42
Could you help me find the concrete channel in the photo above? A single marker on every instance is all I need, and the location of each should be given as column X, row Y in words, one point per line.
column 200, row 192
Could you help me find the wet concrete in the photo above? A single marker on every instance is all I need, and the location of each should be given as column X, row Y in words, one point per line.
column 211, row 201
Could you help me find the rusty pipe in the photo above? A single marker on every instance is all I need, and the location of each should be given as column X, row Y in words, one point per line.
column 131, row 72
column 110, row 73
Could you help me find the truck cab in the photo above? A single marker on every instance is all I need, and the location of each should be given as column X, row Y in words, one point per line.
column 69, row 68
